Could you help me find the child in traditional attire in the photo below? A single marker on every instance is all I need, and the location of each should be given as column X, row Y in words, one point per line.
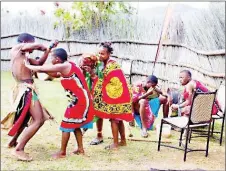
column 112, row 97
column 79, row 111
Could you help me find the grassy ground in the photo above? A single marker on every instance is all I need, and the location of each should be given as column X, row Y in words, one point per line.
column 135, row 156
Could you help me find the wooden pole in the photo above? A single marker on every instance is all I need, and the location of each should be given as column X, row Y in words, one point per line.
column 143, row 140
column 163, row 32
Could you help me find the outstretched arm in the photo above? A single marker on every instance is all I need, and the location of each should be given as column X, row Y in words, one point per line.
column 46, row 68
column 42, row 60
column 54, row 74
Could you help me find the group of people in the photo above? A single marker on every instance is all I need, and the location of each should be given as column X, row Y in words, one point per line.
column 96, row 88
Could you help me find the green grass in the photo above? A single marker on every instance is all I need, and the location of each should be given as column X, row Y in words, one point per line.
column 136, row 155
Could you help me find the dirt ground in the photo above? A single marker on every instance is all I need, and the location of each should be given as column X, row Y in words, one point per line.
column 137, row 155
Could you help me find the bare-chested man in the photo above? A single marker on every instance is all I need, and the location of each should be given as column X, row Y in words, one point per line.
column 25, row 99
column 190, row 86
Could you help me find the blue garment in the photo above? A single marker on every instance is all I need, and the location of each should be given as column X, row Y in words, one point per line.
column 88, row 125
column 155, row 105
column 138, row 120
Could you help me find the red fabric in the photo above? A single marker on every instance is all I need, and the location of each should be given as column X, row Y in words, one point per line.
column 125, row 97
column 149, row 118
column 107, row 107
column 202, row 88
column 22, row 116
column 124, row 116
column 80, row 89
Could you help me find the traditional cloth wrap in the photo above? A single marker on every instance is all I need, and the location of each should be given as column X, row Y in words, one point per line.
column 112, row 94
column 149, row 118
column 80, row 108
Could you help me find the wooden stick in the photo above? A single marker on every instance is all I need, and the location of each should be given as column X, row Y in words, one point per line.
column 143, row 140
column 163, row 32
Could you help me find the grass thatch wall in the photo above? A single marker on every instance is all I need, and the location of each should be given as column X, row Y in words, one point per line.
column 137, row 58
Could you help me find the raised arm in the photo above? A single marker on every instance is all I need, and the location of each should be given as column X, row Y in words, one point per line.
column 149, row 92
column 42, row 60
column 159, row 91
column 27, row 47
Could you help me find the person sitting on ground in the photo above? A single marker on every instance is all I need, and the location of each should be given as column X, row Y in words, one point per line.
column 152, row 95
column 190, row 86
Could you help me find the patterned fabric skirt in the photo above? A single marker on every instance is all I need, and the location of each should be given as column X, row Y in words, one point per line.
column 112, row 97
column 19, row 115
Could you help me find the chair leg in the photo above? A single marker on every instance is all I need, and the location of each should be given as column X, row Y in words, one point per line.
column 222, row 130
column 181, row 133
column 190, row 136
column 186, row 144
column 208, row 140
column 160, row 135
column 212, row 128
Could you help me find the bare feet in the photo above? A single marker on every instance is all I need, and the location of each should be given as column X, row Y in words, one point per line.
column 21, row 155
column 58, row 155
column 79, row 151
column 111, row 147
column 122, row 143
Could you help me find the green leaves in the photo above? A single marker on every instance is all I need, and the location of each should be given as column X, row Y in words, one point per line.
column 87, row 15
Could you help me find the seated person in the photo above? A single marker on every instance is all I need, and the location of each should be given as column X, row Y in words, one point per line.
column 174, row 97
column 146, row 103
column 190, row 86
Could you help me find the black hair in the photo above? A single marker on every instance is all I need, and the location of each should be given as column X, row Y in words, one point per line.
column 25, row 37
column 37, row 58
column 187, row 72
column 107, row 45
column 153, row 79
column 61, row 53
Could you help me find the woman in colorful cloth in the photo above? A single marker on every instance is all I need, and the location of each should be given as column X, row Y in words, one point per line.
column 111, row 96
column 146, row 104
column 79, row 112
column 87, row 63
